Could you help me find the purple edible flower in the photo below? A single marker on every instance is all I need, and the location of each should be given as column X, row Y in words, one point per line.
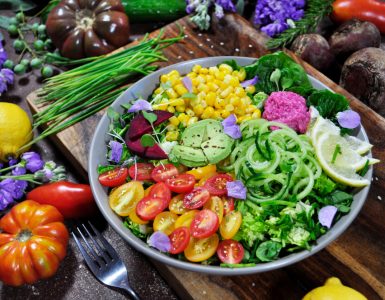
column 6, row 77
column 348, row 119
column 140, row 105
column 3, row 54
column 236, row 189
column 20, row 186
column 187, row 83
column 116, row 151
column 231, row 128
column 7, row 188
column 160, row 241
column 12, row 161
column 18, row 171
column 326, row 215
column 249, row 82
column 33, row 161
column 227, row 5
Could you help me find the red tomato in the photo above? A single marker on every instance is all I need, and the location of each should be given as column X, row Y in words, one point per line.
column 179, row 238
column 197, row 198
column 148, row 208
column 216, row 185
column 228, row 205
column 73, row 200
column 204, row 224
column 183, row 183
column 141, row 171
column 163, row 172
column 160, row 190
column 230, row 252
column 113, row 177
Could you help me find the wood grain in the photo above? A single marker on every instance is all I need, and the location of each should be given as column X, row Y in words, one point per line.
column 357, row 257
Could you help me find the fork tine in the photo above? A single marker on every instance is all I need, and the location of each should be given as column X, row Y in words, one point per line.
column 90, row 262
column 101, row 251
column 110, row 250
column 91, row 249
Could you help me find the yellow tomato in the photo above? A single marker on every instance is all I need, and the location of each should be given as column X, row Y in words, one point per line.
column 215, row 204
column 124, row 198
column 147, row 191
column 186, row 219
column 165, row 221
column 135, row 218
column 201, row 172
column 176, row 205
column 201, row 249
column 230, row 224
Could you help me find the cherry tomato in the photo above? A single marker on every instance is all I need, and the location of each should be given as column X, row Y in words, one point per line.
column 160, row 190
column 230, row 224
column 230, row 252
column 197, row 198
column 113, row 177
column 163, row 172
column 179, row 238
column 135, row 218
column 204, row 178
column 201, row 249
column 228, row 205
column 176, row 205
column 124, row 198
column 147, row 191
column 186, row 219
column 215, row 204
column 141, row 171
column 204, row 224
column 216, row 185
column 165, row 222
column 183, row 183
column 202, row 172
column 148, row 208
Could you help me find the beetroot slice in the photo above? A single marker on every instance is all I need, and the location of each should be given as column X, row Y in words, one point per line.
column 139, row 125
column 136, row 147
column 155, row 152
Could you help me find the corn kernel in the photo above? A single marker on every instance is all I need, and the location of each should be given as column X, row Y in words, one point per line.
column 256, row 114
column 195, row 81
column 198, row 109
column 219, row 75
column 226, row 92
column 191, row 75
column 174, row 80
column 229, row 107
column 164, row 78
column 201, row 79
column 208, row 112
column 244, row 118
column 182, row 117
column 203, row 88
column 196, row 68
column 240, row 111
column 180, row 89
column 245, row 101
column 241, row 74
column 171, row 127
column 177, row 102
column 239, row 91
column 180, row 108
column 210, row 98
column 194, row 102
column 235, row 101
column 192, row 121
column 225, row 113
column 250, row 89
column 186, row 120
column 174, row 73
column 190, row 112
column 216, row 114
column 171, row 93
column 159, row 90
column 212, row 70
column 174, row 121
column 225, row 68
column 210, row 78
column 203, row 103
column 251, row 108
column 171, row 109
column 204, row 71
column 235, row 73
column 220, row 103
column 212, row 86
column 172, row 135
column 231, row 80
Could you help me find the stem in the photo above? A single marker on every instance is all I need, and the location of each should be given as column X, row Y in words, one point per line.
column 21, row 177
column 26, row 44
column 8, row 168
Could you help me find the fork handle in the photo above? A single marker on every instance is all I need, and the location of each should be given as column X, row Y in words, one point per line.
column 133, row 295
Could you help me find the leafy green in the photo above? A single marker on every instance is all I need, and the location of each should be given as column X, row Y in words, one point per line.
column 150, row 117
column 365, row 169
column 232, row 63
column 268, row 251
column 147, row 140
column 103, row 169
column 252, row 229
column 259, row 99
column 138, row 230
column 324, row 185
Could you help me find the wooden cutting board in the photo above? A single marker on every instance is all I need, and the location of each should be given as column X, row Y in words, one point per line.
column 357, row 257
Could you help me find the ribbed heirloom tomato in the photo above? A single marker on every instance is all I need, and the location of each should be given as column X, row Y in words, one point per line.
column 33, row 242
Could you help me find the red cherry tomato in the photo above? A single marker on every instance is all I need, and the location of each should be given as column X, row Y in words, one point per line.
column 141, row 171
column 230, row 252
column 204, row 224
column 179, row 238
column 160, row 190
column 216, row 185
column 113, row 177
column 148, row 208
column 228, row 205
column 163, row 172
column 183, row 183
column 196, row 198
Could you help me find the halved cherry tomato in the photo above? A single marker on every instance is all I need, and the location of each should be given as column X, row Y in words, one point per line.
column 160, row 190
column 162, row 172
column 114, row 177
column 135, row 218
column 124, row 198
column 183, row 183
column 165, row 222
column 179, row 239
column 201, row 172
column 186, row 219
column 204, row 224
column 215, row 204
column 230, row 252
column 141, row 171
column 230, row 224
column 148, row 208
column 176, row 205
column 216, row 185
column 147, row 191
column 228, row 205
column 201, row 249
column 204, row 179
column 197, row 198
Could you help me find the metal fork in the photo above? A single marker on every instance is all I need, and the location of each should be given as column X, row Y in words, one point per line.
column 102, row 259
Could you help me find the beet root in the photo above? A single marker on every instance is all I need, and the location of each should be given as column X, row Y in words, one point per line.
column 363, row 75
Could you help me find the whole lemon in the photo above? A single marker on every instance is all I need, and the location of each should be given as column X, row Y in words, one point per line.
column 15, row 130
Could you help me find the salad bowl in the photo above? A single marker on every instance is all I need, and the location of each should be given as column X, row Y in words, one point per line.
column 144, row 88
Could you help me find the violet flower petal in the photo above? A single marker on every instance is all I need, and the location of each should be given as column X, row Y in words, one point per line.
column 249, row 82
column 19, row 191
column 326, row 215
column 227, row 5
column 229, row 121
column 233, row 131
column 19, row 171
column 140, row 105
column 7, row 75
column 3, row 54
column 236, row 189
column 33, row 161
column 160, row 241
column 187, row 83
column 12, row 162
column 116, row 151
column 348, row 119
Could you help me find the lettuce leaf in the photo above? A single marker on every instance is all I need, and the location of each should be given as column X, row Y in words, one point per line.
column 328, row 103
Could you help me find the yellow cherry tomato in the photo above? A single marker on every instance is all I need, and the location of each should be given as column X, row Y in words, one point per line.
column 165, row 221
column 201, row 172
column 201, row 249
column 176, row 205
column 186, row 219
column 215, row 204
column 135, row 218
column 124, row 198
column 230, row 224
column 147, row 191
column 204, row 179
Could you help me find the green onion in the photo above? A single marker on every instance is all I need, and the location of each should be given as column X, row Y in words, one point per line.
column 337, row 151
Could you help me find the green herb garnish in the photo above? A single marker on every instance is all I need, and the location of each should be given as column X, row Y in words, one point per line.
column 337, row 151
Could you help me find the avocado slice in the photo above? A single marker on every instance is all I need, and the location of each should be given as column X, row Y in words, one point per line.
column 194, row 136
column 217, row 148
column 190, row 157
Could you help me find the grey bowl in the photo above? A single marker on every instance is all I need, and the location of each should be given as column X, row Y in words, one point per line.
column 144, row 87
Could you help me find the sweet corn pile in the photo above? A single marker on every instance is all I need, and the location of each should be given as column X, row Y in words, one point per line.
column 216, row 93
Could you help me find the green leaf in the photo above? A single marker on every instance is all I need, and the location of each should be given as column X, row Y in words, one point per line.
column 268, row 251
column 232, row 63
column 328, row 103
column 17, row 5
column 189, row 96
column 166, row 85
column 4, row 22
column 147, row 140
column 150, row 117
column 112, row 114
column 103, row 169
column 365, row 168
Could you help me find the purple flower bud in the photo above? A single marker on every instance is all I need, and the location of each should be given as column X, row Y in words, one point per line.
column 236, row 189
column 249, row 82
column 18, row 171
column 140, row 105
column 33, row 161
column 12, row 161
column 326, row 215
column 7, row 191
column 348, row 119
column 231, row 128
column 3, row 54
column 19, row 191
column 160, row 241
column 187, row 83
column 116, row 151
column 7, row 75
column 227, row 5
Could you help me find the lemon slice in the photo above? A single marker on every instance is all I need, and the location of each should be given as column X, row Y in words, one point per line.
column 321, row 126
column 343, row 168
column 357, row 145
